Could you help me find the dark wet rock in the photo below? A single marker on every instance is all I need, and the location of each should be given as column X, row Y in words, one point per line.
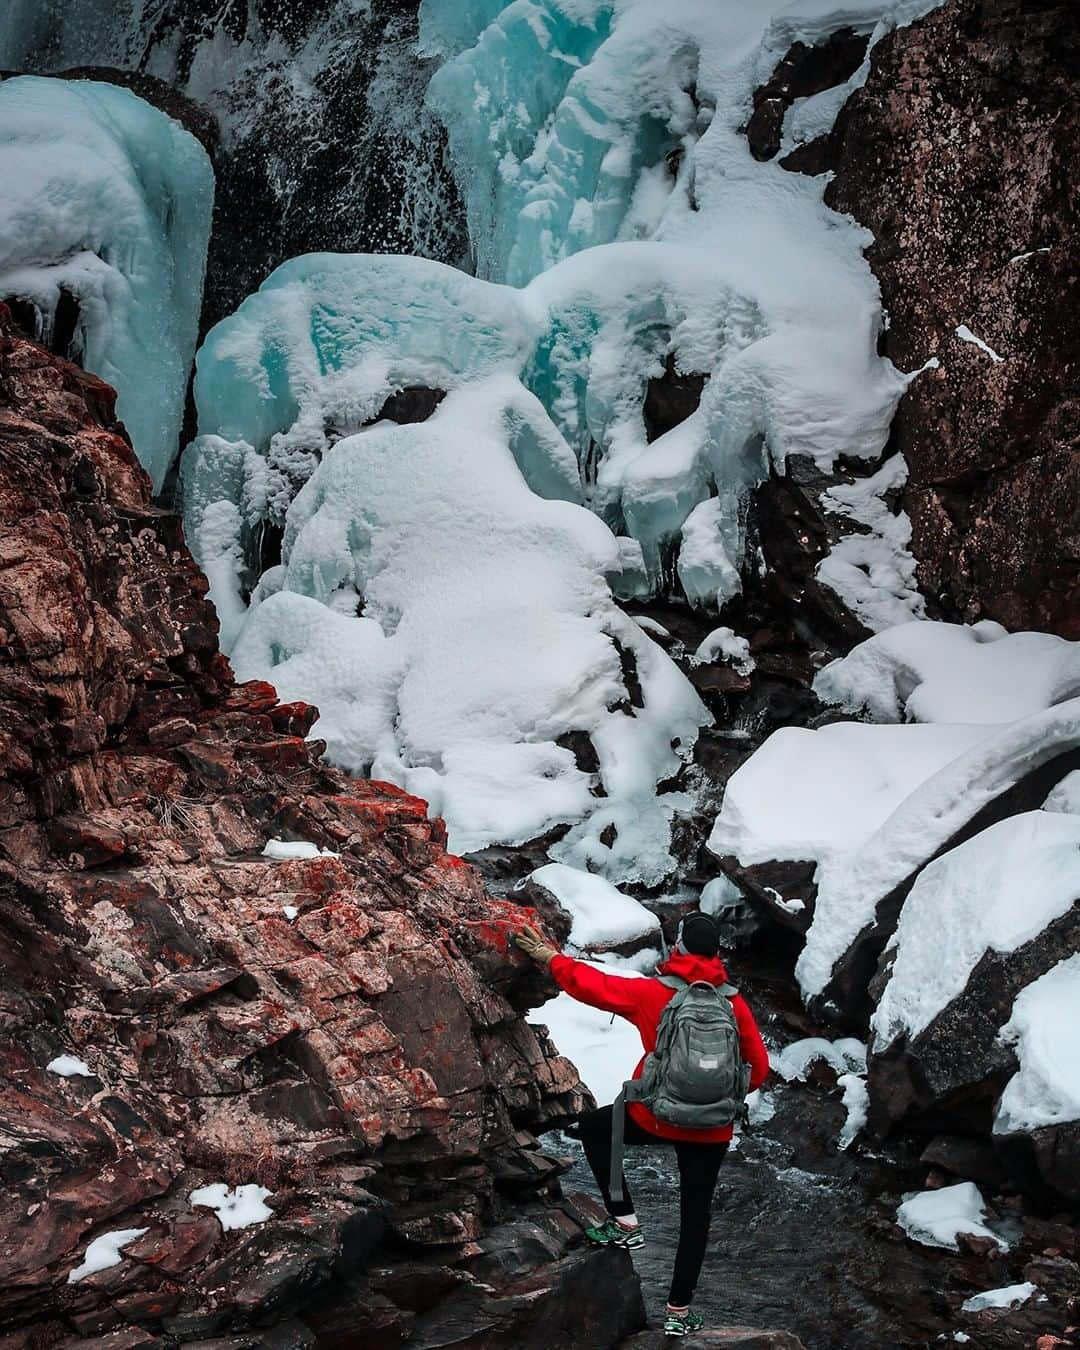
column 720, row 1338
column 412, row 404
column 671, row 398
column 959, row 154
column 782, row 892
column 343, row 1030
column 804, row 70
column 966, row 1157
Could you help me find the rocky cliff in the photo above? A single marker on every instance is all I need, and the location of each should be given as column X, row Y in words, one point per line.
column 960, row 154
column 342, row 1030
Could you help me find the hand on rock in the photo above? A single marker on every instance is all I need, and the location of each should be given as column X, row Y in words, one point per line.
column 533, row 944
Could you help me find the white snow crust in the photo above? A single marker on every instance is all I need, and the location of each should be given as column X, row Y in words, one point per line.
column 602, row 915
column 846, row 1055
column 103, row 1252
column 994, row 892
column 1010, row 1296
column 109, row 200
column 952, row 673
column 935, row 1218
column 68, row 1066
column 239, row 1208
column 1046, row 1088
column 812, row 794
column 288, row 850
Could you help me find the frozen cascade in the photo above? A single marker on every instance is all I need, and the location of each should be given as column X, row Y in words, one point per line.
column 104, row 224
column 618, row 222
column 325, row 140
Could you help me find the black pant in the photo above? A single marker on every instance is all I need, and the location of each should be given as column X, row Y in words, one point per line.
column 699, row 1165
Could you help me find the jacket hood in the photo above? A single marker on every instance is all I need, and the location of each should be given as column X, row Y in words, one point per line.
column 687, row 966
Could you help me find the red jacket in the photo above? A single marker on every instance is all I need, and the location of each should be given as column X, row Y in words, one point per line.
column 642, row 1002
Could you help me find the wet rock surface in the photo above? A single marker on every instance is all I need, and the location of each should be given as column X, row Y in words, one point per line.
column 959, row 153
column 342, row 1030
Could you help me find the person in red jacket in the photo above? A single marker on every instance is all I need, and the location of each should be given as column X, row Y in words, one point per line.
column 698, row 1152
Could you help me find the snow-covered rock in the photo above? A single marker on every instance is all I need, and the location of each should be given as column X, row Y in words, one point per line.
column 602, row 917
column 937, row 1218
column 952, row 673
column 239, row 1208
column 1010, row 1296
column 104, row 224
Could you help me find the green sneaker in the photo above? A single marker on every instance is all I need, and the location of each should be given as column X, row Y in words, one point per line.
column 613, row 1234
column 682, row 1324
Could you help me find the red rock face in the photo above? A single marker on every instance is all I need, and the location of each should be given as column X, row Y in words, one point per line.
column 359, row 1053
column 960, row 154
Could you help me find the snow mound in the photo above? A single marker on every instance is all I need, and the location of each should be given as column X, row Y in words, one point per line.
column 1011, row 1296
column 936, row 1218
column 948, row 673
column 68, row 1066
column 1046, row 1088
column 104, row 225
column 808, row 795
column 724, row 644
column 857, row 1104
column 488, row 632
column 103, row 1252
column 602, row 916
column 239, row 1208
column 287, row 850
column 994, row 892
column 851, row 882
column 603, row 1049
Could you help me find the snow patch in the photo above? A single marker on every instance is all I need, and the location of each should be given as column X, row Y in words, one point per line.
column 239, row 1208
column 966, row 335
column 289, row 850
column 1011, row 1296
column 1046, row 1088
column 67, row 1066
column 602, row 916
column 937, row 1218
column 103, row 1252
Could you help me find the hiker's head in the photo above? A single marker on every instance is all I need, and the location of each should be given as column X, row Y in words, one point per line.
column 698, row 935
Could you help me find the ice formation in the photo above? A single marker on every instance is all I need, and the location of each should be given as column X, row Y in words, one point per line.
column 994, row 892
column 441, row 593
column 936, row 1218
column 1010, row 1296
column 1045, row 1090
column 846, row 1055
column 104, row 223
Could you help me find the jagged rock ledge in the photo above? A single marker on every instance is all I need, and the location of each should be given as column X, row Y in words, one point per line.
column 342, row 1029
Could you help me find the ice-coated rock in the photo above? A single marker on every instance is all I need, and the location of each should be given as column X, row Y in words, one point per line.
column 104, row 223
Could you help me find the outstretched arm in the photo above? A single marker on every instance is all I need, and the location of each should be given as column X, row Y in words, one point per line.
column 619, row 994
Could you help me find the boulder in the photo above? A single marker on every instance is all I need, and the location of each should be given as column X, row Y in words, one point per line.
column 342, row 1029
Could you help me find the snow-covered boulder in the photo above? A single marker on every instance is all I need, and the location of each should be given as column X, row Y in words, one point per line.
column 986, row 931
column 953, row 673
column 602, row 918
column 104, row 225
column 1037, row 1125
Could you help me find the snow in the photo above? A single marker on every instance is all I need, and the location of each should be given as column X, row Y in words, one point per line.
column 1066, row 795
column 873, row 571
column 846, row 1055
column 239, row 1208
column 602, row 916
column 1011, row 1296
column 603, row 1048
column 935, row 1218
column 488, row 632
column 966, row 335
column 67, row 1066
column 288, row 850
column 951, row 673
column 1046, row 1088
column 725, row 643
column 993, row 892
column 720, row 895
column 291, row 912
column 109, row 200
column 852, row 881
column 856, row 1102
column 811, row 794
column 103, row 1252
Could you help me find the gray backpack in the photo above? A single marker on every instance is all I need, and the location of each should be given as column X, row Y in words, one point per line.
column 696, row 1077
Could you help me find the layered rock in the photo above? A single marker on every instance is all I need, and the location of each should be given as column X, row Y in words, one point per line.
column 341, row 1029
column 959, row 153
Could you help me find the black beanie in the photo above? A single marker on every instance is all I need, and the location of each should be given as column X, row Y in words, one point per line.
column 700, row 936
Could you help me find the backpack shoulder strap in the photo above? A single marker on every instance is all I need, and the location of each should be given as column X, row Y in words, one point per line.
column 673, row 981
column 728, row 990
